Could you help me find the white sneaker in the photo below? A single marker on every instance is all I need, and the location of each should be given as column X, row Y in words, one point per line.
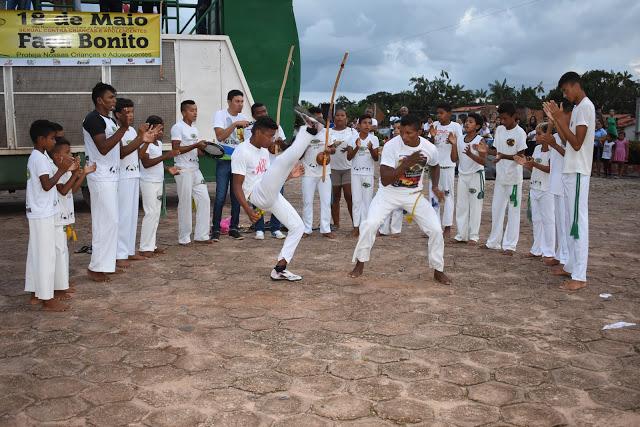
column 285, row 275
column 278, row 235
column 259, row 235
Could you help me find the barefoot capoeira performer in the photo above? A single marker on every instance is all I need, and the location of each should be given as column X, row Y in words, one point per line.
column 579, row 135
column 510, row 140
column 362, row 152
column 440, row 132
column 471, row 153
column 102, row 138
column 403, row 161
column 257, row 184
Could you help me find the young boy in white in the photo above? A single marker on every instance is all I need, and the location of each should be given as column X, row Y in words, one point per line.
column 542, row 203
column 312, row 181
column 403, row 161
column 102, row 138
column 40, row 278
column 260, row 110
column 509, row 140
column 471, row 153
column 440, row 132
column 362, row 152
column 258, row 183
column 576, row 176
column 69, row 183
column 151, row 182
column 190, row 182
column 129, row 183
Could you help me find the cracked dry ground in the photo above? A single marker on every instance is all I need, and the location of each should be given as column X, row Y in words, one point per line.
column 200, row 336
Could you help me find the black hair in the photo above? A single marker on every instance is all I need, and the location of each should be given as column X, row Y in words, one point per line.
column 264, row 123
column 40, row 128
column 340, row 109
column 56, row 126
column 477, row 117
column 122, row 103
column 445, row 106
column 155, row 120
column 364, row 117
column 569, row 77
column 507, row 107
column 61, row 141
column 233, row 93
column 411, row 120
column 99, row 90
column 187, row 102
column 255, row 106
column 314, row 110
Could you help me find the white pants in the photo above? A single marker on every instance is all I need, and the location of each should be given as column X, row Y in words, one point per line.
column 361, row 196
column 104, row 225
column 61, row 281
column 544, row 227
column 309, row 186
column 266, row 193
column 425, row 216
column 446, row 184
column 128, row 203
column 392, row 223
column 190, row 185
column 502, row 202
column 152, row 205
column 561, row 229
column 578, row 248
column 41, row 258
column 469, row 207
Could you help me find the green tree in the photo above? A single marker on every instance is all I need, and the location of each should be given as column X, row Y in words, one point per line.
column 528, row 96
column 501, row 91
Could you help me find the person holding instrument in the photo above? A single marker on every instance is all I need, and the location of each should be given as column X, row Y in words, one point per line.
column 403, row 161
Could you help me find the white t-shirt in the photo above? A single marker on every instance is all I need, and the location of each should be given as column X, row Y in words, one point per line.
column 222, row 119
column 362, row 163
column 311, row 166
column 107, row 166
column 440, row 141
column 65, row 212
column 466, row 165
column 40, row 203
column 339, row 139
column 607, row 150
column 556, row 160
column 156, row 172
column 395, row 150
column 187, row 135
column 250, row 161
column 583, row 114
column 130, row 165
column 539, row 179
column 510, row 142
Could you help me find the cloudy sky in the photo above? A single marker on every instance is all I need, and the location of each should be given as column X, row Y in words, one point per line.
column 476, row 41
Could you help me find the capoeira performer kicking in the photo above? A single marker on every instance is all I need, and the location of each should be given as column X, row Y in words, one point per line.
column 403, row 161
column 257, row 183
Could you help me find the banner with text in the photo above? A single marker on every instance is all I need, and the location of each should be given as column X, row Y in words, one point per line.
column 34, row 37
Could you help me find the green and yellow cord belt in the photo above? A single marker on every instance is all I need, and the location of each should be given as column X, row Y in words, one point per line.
column 514, row 196
column 163, row 208
column 413, row 210
column 481, row 193
column 574, row 227
column 71, row 233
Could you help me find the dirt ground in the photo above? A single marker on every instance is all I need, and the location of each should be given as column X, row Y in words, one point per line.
column 201, row 336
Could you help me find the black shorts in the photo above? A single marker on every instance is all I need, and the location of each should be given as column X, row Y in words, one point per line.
column 597, row 153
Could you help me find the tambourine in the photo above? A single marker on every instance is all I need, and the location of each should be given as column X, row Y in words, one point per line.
column 214, row 150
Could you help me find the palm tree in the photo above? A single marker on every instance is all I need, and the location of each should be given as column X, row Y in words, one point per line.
column 501, row 91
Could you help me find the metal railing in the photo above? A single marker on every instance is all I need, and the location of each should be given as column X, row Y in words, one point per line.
column 205, row 20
